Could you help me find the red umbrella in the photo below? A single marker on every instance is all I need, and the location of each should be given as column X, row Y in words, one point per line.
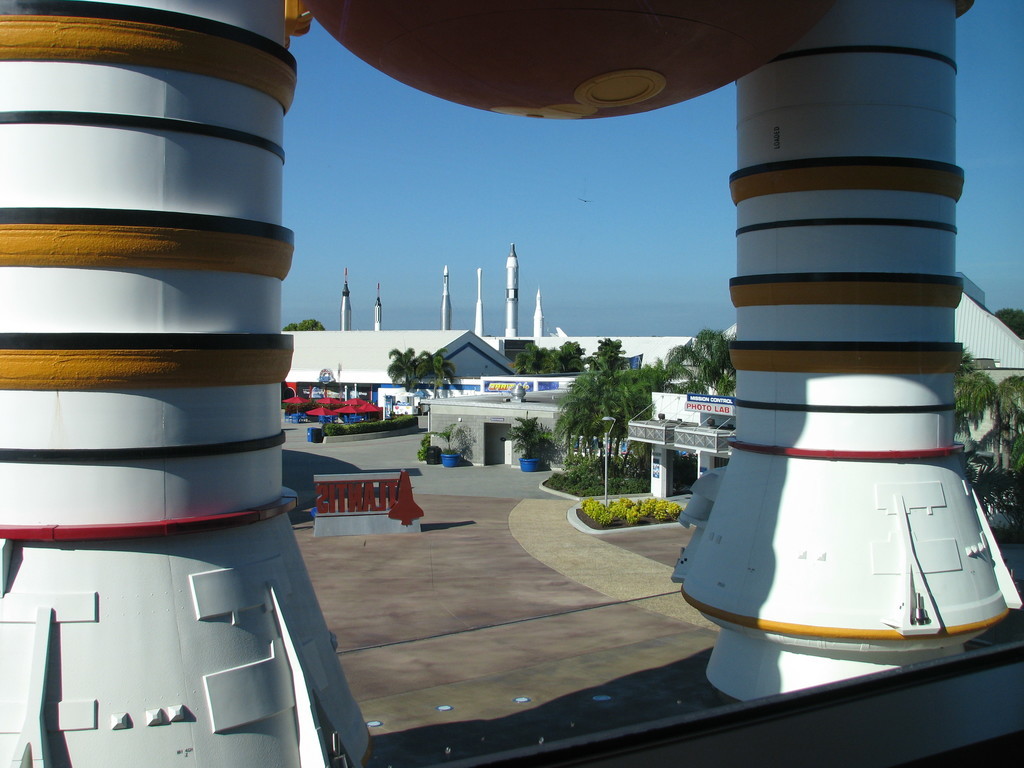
column 330, row 401
column 354, row 401
column 348, row 409
column 367, row 408
column 295, row 400
column 321, row 412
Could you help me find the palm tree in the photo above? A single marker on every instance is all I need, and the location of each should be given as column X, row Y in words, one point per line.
column 404, row 368
column 705, row 362
column 529, row 437
column 591, row 396
column 439, row 368
column 978, row 395
column 624, row 395
column 568, row 358
column 608, row 357
column 532, row 359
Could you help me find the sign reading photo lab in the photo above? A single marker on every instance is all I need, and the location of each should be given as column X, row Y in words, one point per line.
column 717, row 404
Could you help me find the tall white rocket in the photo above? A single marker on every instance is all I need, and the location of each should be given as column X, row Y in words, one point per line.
column 478, row 327
column 346, row 306
column 377, row 311
column 446, row 303
column 538, row 319
column 512, row 293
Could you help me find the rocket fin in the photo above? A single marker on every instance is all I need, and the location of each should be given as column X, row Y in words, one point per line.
column 31, row 750
column 6, row 553
column 1003, row 577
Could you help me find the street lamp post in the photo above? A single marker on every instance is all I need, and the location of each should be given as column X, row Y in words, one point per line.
column 607, row 448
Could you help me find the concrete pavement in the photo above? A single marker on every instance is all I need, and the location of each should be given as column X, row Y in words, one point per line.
column 499, row 625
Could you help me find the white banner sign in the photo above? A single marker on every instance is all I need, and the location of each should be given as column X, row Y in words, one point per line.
column 717, row 404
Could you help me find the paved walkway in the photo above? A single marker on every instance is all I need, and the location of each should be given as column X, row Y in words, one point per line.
column 500, row 624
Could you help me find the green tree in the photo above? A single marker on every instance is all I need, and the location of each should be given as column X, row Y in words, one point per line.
column 404, row 368
column 440, row 370
column 568, row 358
column 1014, row 320
column 978, row 395
column 306, row 325
column 705, row 363
column 532, row 359
column 529, row 437
column 608, row 357
column 623, row 395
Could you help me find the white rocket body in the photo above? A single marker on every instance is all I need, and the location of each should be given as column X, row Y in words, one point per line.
column 378, row 312
column 478, row 325
column 512, row 293
column 153, row 603
column 346, row 306
column 538, row 319
column 842, row 538
column 446, row 303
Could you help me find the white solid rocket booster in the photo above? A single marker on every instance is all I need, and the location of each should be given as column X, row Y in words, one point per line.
column 446, row 303
column 346, row 306
column 842, row 538
column 153, row 603
column 478, row 326
column 512, row 293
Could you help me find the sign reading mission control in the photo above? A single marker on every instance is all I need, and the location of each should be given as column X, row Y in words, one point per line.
column 718, row 404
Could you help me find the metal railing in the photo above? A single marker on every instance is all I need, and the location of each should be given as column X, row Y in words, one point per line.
column 693, row 438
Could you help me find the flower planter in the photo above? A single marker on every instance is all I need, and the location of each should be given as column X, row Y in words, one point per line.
column 529, row 465
column 450, row 459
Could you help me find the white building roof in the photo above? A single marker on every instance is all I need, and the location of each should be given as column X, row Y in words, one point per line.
column 362, row 356
column 986, row 336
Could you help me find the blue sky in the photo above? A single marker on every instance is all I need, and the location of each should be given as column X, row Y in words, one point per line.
column 394, row 184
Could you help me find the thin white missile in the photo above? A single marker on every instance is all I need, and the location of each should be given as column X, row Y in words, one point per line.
column 538, row 319
column 478, row 326
column 446, row 303
column 377, row 311
column 346, row 306
column 512, row 293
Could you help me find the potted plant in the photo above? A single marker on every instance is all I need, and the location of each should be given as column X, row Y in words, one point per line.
column 454, row 436
column 529, row 439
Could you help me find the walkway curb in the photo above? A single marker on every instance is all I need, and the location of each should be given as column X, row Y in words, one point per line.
column 542, row 530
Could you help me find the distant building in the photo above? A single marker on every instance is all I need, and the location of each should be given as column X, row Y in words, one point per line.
column 356, row 362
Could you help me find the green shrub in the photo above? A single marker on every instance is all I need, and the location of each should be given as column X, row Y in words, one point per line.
column 362, row 427
column 421, row 454
column 629, row 511
column 583, row 475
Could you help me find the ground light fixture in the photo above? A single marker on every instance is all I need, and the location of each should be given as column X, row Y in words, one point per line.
column 607, row 449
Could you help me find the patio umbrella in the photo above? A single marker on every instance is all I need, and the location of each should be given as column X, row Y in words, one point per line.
column 321, row 411
column 330, row 401
column 353, row 401
column 295, row 400
column 367, row 408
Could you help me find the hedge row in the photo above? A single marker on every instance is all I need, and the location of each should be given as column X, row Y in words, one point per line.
column 362, row 427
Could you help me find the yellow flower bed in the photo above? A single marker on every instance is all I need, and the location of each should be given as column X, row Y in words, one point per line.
column 630, row 511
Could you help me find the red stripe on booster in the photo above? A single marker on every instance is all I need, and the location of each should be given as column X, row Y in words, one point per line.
column 834, row 455
column 146, row 529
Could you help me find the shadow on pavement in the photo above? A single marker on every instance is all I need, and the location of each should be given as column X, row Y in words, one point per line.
column 443, row 526
column 298, row 468
column 672, row 690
